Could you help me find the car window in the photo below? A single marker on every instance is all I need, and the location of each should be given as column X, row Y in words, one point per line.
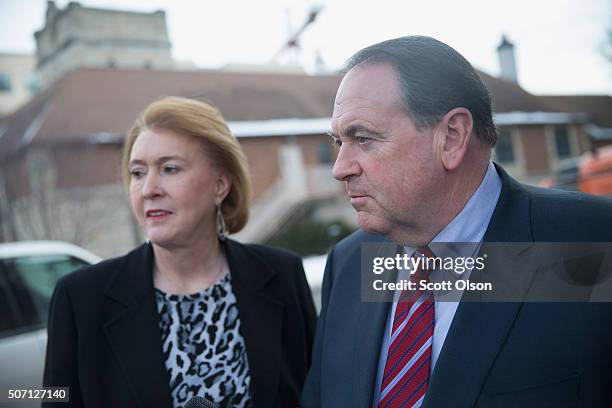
column 26, row 286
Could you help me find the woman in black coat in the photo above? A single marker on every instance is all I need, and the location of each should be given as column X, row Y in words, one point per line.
column 190, row 312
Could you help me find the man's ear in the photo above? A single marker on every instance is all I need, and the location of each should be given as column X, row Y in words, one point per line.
column 223, row 183
column 455, row 130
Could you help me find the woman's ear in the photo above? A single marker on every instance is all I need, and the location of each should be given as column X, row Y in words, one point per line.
column 456, row 127
column 223, row 184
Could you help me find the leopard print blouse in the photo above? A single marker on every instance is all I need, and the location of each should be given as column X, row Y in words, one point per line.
column 204, row 351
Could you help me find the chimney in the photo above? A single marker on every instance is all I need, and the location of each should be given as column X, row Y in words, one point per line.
column 507, row 62
column 51, row 13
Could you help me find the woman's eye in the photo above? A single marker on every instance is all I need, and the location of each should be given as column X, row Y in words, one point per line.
column 170, row 169
column 136, row 173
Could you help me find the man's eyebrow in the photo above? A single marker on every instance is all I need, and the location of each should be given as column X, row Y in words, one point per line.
column 353, row 129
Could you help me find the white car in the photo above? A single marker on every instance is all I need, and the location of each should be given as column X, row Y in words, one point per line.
column 314, row 266
column 28, row 274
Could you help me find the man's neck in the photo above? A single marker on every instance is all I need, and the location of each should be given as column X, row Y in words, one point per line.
column 456, row 190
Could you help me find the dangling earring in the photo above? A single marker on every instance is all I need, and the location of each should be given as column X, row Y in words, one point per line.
column 221, row 228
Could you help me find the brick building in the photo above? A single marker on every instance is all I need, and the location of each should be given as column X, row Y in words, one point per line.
column 60, row 153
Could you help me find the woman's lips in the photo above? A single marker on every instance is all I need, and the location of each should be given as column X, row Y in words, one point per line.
column 157, row 214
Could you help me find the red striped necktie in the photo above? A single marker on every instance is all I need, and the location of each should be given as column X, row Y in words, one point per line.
column 406, row 374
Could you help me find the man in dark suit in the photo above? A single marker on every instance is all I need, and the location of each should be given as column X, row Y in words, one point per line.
column 413, row 124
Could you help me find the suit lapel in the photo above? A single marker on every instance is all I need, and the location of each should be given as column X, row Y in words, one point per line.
column 261, row 320
column 372, row 319
column 133, row 329
column 480, row 328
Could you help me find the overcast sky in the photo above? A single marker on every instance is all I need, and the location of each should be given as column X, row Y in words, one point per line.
column 558, row 42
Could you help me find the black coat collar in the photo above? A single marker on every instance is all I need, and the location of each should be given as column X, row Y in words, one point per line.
column 133, row 278
column 134, row 336
column 511, row 219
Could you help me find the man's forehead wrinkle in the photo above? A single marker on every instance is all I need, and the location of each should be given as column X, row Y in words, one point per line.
column 342, row 112
column 353, row 104
column 344, row 127
column 350, row 98
column 356, row 107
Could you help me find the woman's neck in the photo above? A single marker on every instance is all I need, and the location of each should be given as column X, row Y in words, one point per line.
column 190, row 269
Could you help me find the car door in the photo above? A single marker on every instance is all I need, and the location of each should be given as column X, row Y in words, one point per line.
column 26, row 286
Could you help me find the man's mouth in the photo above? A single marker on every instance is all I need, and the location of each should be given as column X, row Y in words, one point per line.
column 358, row 200
column 355, row 194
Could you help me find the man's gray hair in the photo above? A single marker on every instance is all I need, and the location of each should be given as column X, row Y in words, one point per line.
column 434, row 79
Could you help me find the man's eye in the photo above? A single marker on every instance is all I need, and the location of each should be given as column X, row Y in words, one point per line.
column 363, row 140
column 335, row 141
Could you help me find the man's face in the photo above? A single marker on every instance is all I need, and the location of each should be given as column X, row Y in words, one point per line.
column 391, row 170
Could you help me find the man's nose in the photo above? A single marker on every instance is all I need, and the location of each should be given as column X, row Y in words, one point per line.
column 346, row 164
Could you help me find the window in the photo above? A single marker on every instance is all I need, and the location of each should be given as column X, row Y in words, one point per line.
column 33, row 83
column 562, row 142
column 26, row 286
column 503, row 149
column 5, row 82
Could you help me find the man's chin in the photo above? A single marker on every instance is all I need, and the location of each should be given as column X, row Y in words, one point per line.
column 372, row 225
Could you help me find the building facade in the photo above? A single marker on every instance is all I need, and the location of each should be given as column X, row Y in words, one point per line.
column 18, row 81
column 79, row 36
column 60, row 153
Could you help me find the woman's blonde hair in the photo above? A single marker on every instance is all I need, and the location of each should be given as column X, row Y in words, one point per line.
column 204, row 121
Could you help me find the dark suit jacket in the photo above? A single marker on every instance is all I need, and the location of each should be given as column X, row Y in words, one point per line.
column 105, row 343
column 495, row 354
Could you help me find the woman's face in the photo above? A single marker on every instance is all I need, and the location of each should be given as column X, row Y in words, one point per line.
column 174, row 189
